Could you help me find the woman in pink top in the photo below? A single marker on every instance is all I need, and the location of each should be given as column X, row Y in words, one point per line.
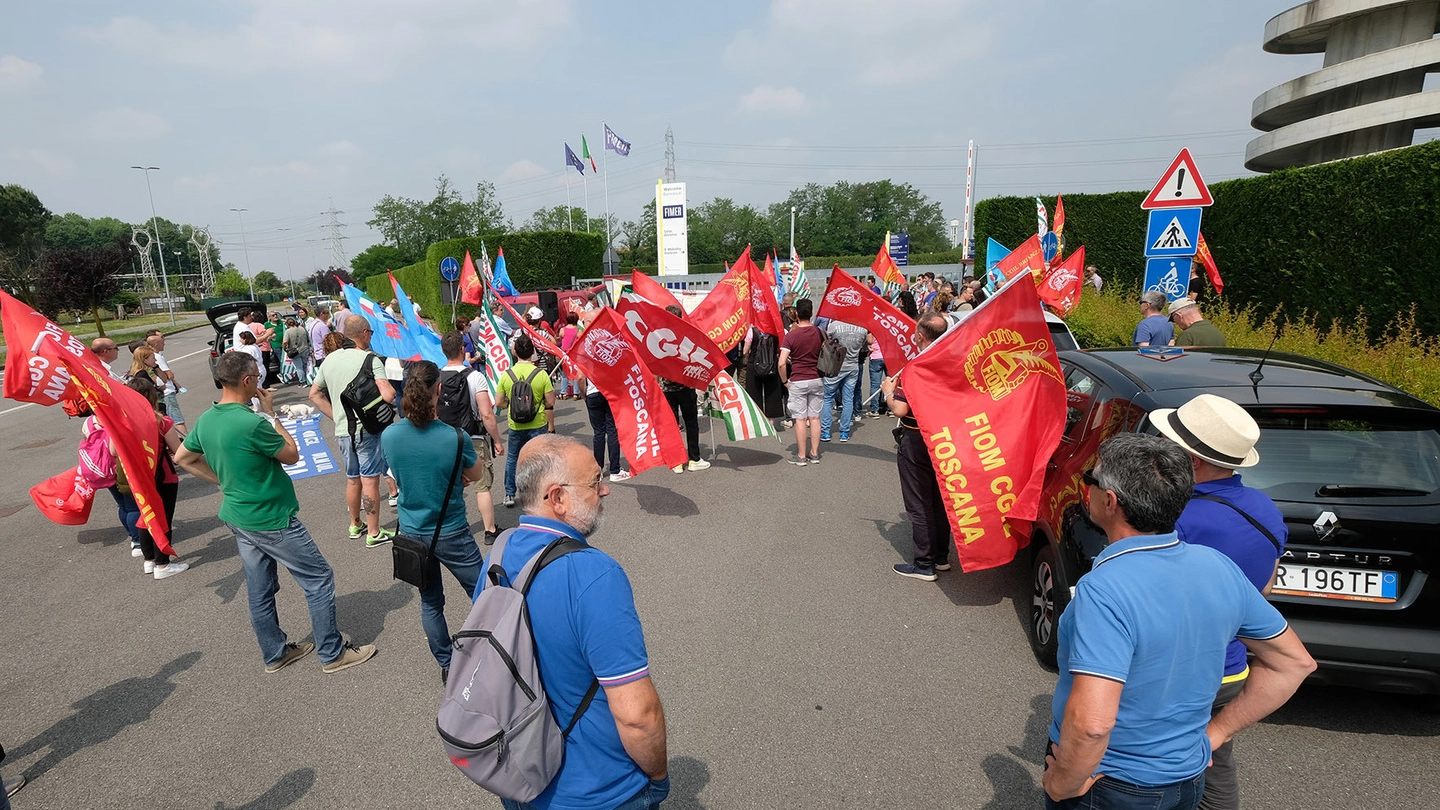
column 877, row 371
column 569, row 334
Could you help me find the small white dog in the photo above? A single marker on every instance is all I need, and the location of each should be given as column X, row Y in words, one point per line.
column 296, row 410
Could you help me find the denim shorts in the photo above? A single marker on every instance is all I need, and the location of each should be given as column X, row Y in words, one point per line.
column 806, row 398
column 362, row 455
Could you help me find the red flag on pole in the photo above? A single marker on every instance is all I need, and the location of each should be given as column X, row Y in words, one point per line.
column 990, row 400
column 725, row 312
column 846, row 299
column 763, row 304
column 1059, row 227
column 43, row 361
column 651, row 290
column 1061, row 287
column 670, row 346
column 1212, row 270
column 649, row 436
column 541, row 340
column 892, row 280
column 470, row 289
column 1029, row 256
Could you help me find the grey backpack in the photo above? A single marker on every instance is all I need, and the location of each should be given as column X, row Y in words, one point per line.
column 495, row 722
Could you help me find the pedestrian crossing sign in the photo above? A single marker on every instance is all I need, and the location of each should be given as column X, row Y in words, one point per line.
column 1173, row 232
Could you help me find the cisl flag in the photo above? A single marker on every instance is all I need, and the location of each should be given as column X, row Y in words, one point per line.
column 671, row 347
column 725, row 312
column 470, row 290
column 990, row 400
column 1060, row 289
column 846, row 299
column 651, row 290
column 43, row 362
column 1029, row 256
column 649, row 436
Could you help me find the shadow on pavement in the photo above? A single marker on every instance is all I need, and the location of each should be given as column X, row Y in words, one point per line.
column 656, row 500
column 188, row 533
column 688, row 777
column 291, row 788
column 1338, row 708
column 361, row 614
column 1014, row 783
column 746, row 457
column 103, row 715
column 109, row 531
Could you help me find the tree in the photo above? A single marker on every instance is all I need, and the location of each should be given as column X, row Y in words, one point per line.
column 82, row 233
column 852, row 218
column 22, row 240
column 375, row 260
column 324, row 280
column 81, row 280
column 561, row 218
column 230, row 282
column 266, row 280
column 719, row 231
column 413, row 226
column 638, row 238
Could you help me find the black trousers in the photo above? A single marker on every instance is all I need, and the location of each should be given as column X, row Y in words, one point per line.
column 684, row 404
column 169, row 494
column 602, row 422
column 929, row 526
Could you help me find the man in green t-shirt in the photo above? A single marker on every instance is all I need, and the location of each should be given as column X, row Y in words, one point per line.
column 244, row 453
column 544, row 419
column 1194, row 329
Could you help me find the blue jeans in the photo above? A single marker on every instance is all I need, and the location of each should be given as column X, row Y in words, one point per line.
column 1113, row 794
column 877, row 371
column 459, row 553
column 293, row 548
column 567, row 386
column 844, row 382
column 129, row 512
column 4, row 800
column 649, row 798
column 517, row 440
column 362, row 455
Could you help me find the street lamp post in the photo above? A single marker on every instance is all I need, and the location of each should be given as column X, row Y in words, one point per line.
column 792, row 230
column 240, row 212
column 156, row 228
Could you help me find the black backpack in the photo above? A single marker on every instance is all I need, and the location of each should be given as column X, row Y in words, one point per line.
column 832, row 357
column 522, row 397
column 363, row 402
column 457, row 407
column 764, row 354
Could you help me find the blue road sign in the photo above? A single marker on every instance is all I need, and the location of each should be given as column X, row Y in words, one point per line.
column 1049, row 246
column 900, row 248
column 1169, row 276
column 1173, row 232
column 449, row 269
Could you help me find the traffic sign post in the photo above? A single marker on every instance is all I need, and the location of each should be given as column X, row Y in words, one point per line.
column 1049, row 246
column 1173, row 232
column 449, row 269
column 1172, row 236
column 1180, row 186
column 1169, row 276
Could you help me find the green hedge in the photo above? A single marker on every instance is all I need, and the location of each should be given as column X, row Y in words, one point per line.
column 824, row 262
column 1332, row 240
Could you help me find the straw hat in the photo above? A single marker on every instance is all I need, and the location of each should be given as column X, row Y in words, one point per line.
column 1212, row 429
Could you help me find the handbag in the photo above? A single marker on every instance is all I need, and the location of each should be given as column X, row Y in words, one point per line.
column 414, row 560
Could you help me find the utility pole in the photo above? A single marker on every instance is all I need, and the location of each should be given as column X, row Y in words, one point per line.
column 792, row 233
column 156, row 228
column 337, row 248
column 669, row 156
column 240, row 212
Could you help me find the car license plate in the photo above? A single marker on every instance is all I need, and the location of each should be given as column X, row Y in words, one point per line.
column 1356, row 584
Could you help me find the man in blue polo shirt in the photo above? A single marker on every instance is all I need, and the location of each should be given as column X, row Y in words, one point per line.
column 1142, row 645
column 1238, row 521
column 1154, row 329
column 586, row 628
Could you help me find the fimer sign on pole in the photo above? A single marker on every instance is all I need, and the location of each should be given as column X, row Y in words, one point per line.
column 670, row 226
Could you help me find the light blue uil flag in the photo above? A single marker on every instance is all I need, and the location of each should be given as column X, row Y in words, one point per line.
column 994, row 252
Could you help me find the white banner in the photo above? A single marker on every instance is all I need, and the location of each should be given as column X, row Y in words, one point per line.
column 670, row 225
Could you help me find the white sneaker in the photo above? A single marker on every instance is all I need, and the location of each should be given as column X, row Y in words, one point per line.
column 394, row 500
column 136, row 552
column 165, row 571
column 678, row 468
column 149, row 566
column 623, row 475
column 699, row 464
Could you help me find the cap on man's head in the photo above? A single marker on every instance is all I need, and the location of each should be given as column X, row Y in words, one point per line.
column 535, row 312
column 1180, row 304
column 1212, row 429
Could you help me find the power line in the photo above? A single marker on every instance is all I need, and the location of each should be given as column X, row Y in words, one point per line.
column 988, row 146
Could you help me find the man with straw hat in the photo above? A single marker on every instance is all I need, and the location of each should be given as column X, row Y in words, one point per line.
column 1238, row 521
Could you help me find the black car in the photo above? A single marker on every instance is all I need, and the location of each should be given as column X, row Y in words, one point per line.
column 1352, row 463
column 223, row 318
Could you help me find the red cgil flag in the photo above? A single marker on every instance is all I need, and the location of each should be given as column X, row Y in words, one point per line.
column 671, row 347
column 763, row 305
column 989, row 397
column 846, row 299
column 724, row 315
column 1029, row 256
column 651, row 290
column 1060, row 289
column 45, row 362
column 649, row 436
column 1205, row 257
column 470, row 289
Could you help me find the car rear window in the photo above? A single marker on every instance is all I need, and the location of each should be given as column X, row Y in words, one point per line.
column 1308, row 453
column 1061, row 337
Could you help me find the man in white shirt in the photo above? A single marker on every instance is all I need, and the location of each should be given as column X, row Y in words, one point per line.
column 156, row 341
column 107, row 350
column 479, row 422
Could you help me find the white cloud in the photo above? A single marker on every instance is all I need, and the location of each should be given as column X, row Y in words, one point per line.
column 126, row 124
column 521, row 170
column 369, row 38
column 341, row 151
column 17, row 75
column 51, row 163
column 894, row 43
column 766, row 100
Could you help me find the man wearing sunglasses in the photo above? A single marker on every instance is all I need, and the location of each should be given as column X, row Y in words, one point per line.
column 1142, row 645
column 587, row 630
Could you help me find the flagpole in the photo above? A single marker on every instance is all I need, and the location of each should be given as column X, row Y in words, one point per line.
column 569, row 218
column 585, row 181
column 605, row 181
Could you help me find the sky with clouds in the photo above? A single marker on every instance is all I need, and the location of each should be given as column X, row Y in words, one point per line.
column 283, row 106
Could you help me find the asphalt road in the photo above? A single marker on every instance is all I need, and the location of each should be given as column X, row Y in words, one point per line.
column 797, row 671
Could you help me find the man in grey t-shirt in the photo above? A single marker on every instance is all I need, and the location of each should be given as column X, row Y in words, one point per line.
column 854, row 339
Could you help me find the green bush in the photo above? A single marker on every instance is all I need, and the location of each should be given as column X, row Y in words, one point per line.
column 1322, row 242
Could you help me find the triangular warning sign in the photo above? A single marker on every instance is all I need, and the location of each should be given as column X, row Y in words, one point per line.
column 1172, row 238
column 1180, row 187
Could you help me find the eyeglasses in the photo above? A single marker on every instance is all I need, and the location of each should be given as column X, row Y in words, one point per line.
column 595, row 485
column 1089, row 477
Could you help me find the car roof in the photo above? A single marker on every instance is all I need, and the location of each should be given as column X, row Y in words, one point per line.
column 1289, row 379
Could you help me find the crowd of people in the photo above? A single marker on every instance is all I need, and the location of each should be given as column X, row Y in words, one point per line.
column 1136, row 714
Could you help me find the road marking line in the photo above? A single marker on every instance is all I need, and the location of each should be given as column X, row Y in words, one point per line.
column 16, row 408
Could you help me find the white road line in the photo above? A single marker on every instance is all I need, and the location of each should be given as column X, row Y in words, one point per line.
column 16, row 408
column 31, row 404
column 191, row 354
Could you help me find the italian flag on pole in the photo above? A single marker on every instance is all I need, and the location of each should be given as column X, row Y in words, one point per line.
column 743, row 418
